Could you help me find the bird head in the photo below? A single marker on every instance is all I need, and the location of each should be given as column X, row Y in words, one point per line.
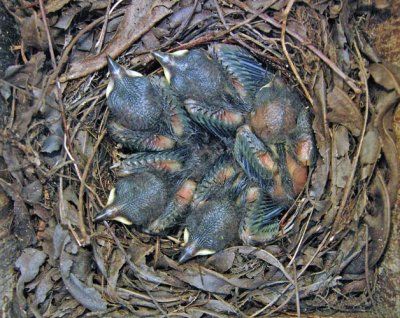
column 118, row 74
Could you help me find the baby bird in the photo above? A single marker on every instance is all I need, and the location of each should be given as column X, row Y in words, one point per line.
column 144, row 115
column 276, row 147
column 137, row 199
column 216, row 88
column 213, row 220
column 210, row 228
column 143, row 197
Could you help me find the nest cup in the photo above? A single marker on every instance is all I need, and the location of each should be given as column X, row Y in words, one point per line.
column 331, row 241
column 321, row 242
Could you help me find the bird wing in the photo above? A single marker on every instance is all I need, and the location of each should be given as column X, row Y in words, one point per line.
column 246, row 72
column 220, row 122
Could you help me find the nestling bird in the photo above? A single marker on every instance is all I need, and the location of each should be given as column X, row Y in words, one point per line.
column 144, row 115
column 136, row 199
column 142, row 197
column 213, row 219
column 174, row 173
column 210, row 228
column 276, row 147
column 216, row 88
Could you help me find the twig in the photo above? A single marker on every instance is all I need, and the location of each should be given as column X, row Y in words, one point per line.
column 81, row 218
column 67, row 140
column 296, row 288
column 115, row 6
column 46, row 27
column 134, row 268
column 349, row 81
column 183, row 26
column 285, row 51
column 301, row 238
column 30, row 94
column 12, row 113
column 366, row 264
column 78, row 173
column 235, row 36
column 212, row 36
column 102, row 36
column 314, row 255
column 349, row 182
column 64, row 56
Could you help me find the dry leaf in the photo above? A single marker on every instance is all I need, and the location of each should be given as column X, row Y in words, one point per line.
column 387, row 75
column 55, row 5
column 89, row 297
column 33, row 32
column 370, row 152
column 342, row 110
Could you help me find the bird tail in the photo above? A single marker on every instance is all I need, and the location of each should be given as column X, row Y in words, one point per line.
column 260, row 222
column 286, row 180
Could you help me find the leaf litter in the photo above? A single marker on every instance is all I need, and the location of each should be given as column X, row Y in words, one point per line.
column 56, row 163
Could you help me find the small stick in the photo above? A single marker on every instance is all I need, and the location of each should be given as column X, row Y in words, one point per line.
column 349, row 81
column 82, row 186
column 134, row 268
column 349, row 182
column 285, row 51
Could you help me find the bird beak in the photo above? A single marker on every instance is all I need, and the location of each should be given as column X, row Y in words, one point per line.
column 115, row 69
column 163, row 58
column 112, row 213
column 106, row 214
column 188, row 252
column 192, row 250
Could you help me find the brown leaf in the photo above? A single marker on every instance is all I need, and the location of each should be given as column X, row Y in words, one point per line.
column 55, row 5
column 139, row 18
column 342, row 143
column 33, row 32
column 204, row 279
column 29, row 73
column 32, row 193
column 22, row 224
column 28, row 264
column 383, row 122
column 387, row 75
column 321, row 173
column 68, row 209
column 370, row 152
column 89, row 297
column 342, row 110
column 46, row 283
column 341, row 164
column 222, row 261
column 378, row 219
column 117, row 261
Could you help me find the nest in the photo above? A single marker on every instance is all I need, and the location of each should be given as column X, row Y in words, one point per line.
column 330, row 241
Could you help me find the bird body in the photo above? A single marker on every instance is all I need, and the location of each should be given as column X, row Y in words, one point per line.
column 216, row 87
column 210, row 228
column 134, row 101
column 213, row 219
column 195, row 75
column 137, row 199
column 259, row 122
column 145, row 116
column 276, row 145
